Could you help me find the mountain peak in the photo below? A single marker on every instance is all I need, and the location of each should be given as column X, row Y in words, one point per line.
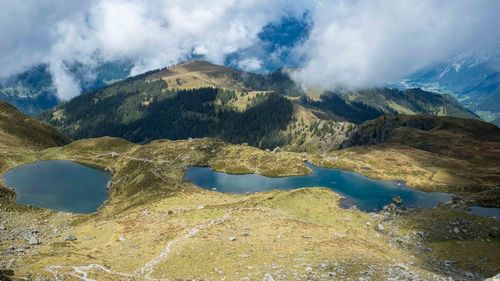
column 199, row 73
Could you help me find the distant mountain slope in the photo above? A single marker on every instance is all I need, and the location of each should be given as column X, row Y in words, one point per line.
column 472, row 78
column 358, row 106
column 32, row 91
column 19, row 130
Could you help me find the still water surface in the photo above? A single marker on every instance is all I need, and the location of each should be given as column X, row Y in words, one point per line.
column 368, row 194
column 59, row 185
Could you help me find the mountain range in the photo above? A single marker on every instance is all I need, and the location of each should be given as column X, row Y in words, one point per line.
column 33, row 90
column 199, row 99
column 474, row 79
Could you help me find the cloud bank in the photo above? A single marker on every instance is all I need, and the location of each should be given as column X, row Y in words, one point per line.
column 350, row 43
column 151, row 34
column 368, row 43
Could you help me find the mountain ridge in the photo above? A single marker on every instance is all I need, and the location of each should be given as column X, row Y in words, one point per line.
column 201, row 99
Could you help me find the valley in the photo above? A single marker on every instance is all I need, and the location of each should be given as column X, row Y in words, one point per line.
column 246, row 140
column 157, row 226
column 149, row 130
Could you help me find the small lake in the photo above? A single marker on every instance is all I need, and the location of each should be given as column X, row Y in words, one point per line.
column 59, row 185
column 367, row 194
column 485, row 212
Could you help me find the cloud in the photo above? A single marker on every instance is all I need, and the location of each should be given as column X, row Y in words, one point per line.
column 250, row 64
column 347, row 43
column 152, row 34
column 368, row 43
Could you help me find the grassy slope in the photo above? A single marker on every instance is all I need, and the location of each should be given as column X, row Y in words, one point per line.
column 199, row 74
column 19, row 130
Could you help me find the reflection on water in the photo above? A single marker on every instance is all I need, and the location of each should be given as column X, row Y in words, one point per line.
column 368, row 194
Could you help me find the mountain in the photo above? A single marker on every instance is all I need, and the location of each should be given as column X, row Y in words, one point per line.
column 33, row 91
column 199, row 74
column 200, row 99
column 357, row 106
column 20, row 130
column 474, row 79
column 197, row 99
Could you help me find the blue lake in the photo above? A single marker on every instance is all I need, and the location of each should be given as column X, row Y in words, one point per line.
column 59, row 185
column 485, row 212
column 367, row 194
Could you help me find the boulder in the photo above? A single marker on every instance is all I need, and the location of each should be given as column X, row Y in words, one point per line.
column 70, row 237
column 379, row 227
column 397, row 200
column 33, row 241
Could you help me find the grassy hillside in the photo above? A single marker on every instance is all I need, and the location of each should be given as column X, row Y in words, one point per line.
column 357, row 106
column 180, row 102
column 18, row 130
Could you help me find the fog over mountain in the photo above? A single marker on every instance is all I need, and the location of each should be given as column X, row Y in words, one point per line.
column 335, row 43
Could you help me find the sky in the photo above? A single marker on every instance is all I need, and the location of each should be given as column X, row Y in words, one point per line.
column 327, row 43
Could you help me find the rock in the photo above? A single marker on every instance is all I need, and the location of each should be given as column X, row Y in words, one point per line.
column 268, row 277
column 379, row 227
column 448, row 263
column 33, row 241
column 456, row 230
column 170, row 212
column 121, row 239
column 231, row 238
column 494, row 232
column 397, row 199
column 70, row 237
column 2, row 227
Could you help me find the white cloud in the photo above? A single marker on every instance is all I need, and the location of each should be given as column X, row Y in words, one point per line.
column 152, row 34
column 352, row 43
column 368, row 43
column 250, row 64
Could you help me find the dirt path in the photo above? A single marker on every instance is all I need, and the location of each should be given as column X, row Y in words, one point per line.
column 83, row 272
